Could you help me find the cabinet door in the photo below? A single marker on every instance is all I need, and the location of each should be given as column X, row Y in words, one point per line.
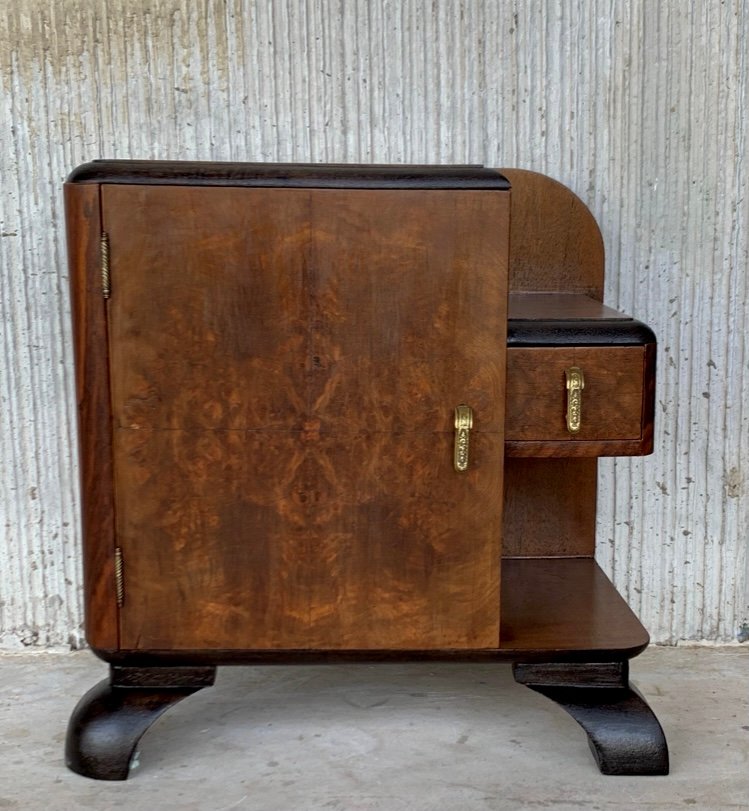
column 285, row 365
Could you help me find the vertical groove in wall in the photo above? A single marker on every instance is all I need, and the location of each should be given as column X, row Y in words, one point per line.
column 641, row 109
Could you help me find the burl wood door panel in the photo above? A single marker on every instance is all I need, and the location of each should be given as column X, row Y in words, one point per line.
column 285, row 366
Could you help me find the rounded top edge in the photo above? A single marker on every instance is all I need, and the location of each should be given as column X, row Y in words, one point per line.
column 290, row 175
column 581, row 332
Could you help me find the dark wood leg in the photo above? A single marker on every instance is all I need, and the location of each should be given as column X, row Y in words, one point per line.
column 623, row 732
column 111, row 718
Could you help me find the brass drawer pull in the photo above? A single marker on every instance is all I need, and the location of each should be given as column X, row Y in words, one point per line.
column 575, row 386
column 463, row 425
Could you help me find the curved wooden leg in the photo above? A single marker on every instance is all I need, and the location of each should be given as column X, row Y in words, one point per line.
column 110, row 719
column 623, row 732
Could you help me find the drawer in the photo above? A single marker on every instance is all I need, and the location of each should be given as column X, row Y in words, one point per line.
column 616, row 401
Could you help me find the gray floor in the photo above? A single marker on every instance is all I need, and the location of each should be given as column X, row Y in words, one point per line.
column 389, row 737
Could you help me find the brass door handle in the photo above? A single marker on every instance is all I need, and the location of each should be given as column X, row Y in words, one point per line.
column 463, row 425
column 575, row 386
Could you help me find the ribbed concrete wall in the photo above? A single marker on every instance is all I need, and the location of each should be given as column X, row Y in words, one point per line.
column 641, row 108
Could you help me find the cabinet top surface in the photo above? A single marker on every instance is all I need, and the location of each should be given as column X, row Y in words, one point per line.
column 290, row 175
column 570, row 319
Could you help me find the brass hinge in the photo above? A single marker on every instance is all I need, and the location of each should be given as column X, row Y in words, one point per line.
column 106, row 289
column 119, row 577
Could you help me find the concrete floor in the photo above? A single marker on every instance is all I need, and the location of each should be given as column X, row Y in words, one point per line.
column 420, row 737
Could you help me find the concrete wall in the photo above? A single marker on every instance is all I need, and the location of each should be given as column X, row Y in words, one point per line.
column 641, row 108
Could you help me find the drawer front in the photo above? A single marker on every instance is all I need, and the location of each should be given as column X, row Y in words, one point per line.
column 614, row 402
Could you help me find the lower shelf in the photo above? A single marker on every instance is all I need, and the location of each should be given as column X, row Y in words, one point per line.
column 565, row 609
column 553, row 610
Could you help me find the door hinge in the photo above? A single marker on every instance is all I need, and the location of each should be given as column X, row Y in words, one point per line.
column 119, row 577
column 106, row 289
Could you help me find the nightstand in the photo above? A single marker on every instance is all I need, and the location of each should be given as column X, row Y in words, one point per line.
column 348, row 413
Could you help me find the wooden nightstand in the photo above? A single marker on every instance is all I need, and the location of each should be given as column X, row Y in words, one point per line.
column 298, row 417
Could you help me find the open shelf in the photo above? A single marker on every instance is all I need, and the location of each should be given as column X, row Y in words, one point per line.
column 553, row 610
column 565, row 609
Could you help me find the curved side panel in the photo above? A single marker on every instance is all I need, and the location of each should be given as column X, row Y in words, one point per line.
column 84, row 234
column 555, row 242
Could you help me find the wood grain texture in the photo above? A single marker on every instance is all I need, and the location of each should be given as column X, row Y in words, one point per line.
column 612, row 400
column 561, row 448
column 94, row 428
column 555, row 242
column 285, row 368
column 616, row 396
column 559, row 306
column 553, row 610
column 548, row 332
column 566, row 605
column 550, row 507
column 648, row 399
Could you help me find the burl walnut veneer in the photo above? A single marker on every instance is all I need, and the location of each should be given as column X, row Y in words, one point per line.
column 313, row 424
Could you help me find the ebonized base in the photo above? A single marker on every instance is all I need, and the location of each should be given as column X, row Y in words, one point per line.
column 623, row 733
column 111, row 718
